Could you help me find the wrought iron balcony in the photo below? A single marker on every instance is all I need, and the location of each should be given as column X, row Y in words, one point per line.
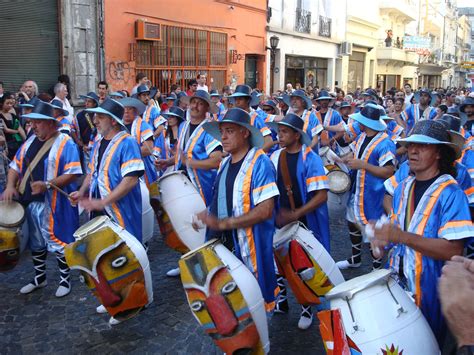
column 324, row 26
column 303, row 21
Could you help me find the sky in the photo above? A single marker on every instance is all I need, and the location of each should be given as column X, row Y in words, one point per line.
column 465, row 3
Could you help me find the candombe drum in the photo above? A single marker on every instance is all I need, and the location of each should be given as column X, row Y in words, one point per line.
column 181, row 201
column 339, row 189
column 12, row 215
column 372, row 314
column 147, row 213
column 225, row 299
column 307, row 266
column 114, row 266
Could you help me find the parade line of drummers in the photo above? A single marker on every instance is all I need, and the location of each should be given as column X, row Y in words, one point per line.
column 243, row 185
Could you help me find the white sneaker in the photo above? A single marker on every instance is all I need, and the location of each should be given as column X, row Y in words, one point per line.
column 101, row 309
column 305, row 322
column 31, row 287
column 174, row 272
column 344, row 264
column 113, row 321
column 63, row 291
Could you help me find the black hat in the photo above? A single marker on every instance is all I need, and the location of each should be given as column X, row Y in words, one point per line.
column 453, row 124
column 295, row 122
column 141, row 89
column 171, row 97
column 30, row 104
column 91, row 95
column 302, row 95
column 132, row 102
column 175, row 111
column 324, row 95
column 58, row 105
column 242, row 91
column 369, row 116
column 371, row 93
column 345, row 104
column 214, row 93
column 468, row 101
column 111, row 108
column 239, row 117
column 204, row 96
column 42, row 111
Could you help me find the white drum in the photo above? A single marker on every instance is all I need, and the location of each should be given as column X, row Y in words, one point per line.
column 309, row 269
column 222, row 291
column 339, row 189
column 377, row 313
column 181, row 201
column 148, row 219
column 12, row 214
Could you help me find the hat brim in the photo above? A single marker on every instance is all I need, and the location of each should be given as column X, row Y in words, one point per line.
column 64, row 112
column 26, row 105
column 84, row 97
column 463, row 106
column 132, row 102
column 305, row 139
column 386, row 117
column 456, row 145
column 378, row 125
column 117, row 94
column 306, row 99
column 212, row 107
column 239, row 94
column 324, row 98
column 38, row 116
column 105, row 112
column 256, row 138
column 168, row 115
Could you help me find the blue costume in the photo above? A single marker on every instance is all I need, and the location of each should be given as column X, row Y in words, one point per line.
column 311, row 178
column 332, row 118
column 412, row 115
column 152, row 116
column 442, row 212
column 121, row 157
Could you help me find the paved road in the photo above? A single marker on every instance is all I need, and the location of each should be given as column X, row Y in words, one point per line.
column 41, row 323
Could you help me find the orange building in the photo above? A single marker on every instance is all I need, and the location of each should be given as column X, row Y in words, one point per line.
column 173, row 41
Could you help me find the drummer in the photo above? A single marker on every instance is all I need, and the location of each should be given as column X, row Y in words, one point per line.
column 303, row 186
column 327, row 116
column 241, row 212
column 47, row 159
column 431, row 218
column 372, row 163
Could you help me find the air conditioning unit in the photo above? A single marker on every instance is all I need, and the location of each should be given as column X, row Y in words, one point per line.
column 147, row 31
column 345, row 48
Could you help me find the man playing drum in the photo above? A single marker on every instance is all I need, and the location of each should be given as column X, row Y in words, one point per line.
column 430, row 218
column 241, row 212
column 372, row 163
column 327, row 116
column 303, row 186
column 47, row 159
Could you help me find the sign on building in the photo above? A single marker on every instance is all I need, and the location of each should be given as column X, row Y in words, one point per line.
column 420, row 45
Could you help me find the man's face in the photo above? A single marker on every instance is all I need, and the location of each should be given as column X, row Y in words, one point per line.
column 407, row 89
column 183, row 105
column 234, row 137
column 129, row 114
column 451, row 98
column 43, row 128
column 425, row 99
column 90, row 103
column 345, row 111
column 143, row 81
column 297, row 104
column 144, row 97
column 29, row 88
column 170, row 103
column 62, row 93
column 198, row 108
column 104, row 124
column 324, row 103
column 193, row 87
column 215, row 99
column 397, row 106
column 399, row 95
column 102, row 90
column 202, row 80
column 422, row 156
column 287, row 136
column 242, row 102
column 469, row 110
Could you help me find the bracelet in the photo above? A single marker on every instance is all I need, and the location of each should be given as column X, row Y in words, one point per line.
column 48, row 185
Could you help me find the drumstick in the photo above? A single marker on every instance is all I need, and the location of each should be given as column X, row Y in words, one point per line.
column 5, row 156
column 62, row 192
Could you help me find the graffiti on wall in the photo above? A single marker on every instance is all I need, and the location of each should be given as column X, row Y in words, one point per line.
column 120, row 71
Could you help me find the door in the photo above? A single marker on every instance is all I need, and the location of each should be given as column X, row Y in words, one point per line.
column 251, row 71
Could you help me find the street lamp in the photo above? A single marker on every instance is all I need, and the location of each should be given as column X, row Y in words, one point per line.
column 274, row 40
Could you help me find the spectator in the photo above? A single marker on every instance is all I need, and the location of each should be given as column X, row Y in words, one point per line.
column 408, row 93
column 388, row 40
column 102, row 91
column 60, row 90
column 201, row 80
column 28, row 90
column 10, row 125
column 63, row 79
column 140, row 79
column 192, row 87
column 1, row 89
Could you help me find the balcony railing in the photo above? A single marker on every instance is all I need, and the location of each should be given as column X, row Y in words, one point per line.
column 324, row 26
column 303, row 21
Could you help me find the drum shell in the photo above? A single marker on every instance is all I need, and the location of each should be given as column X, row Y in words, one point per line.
column 337, row 203
column 247, row 285
column 305, row 292
column 12, row 214
column 147, row 213
column 9, row 248
column 181, row 200
column 380, row 324
column 170, row 236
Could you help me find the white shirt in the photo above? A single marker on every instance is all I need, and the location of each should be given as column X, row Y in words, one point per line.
column 408, row 99
column 67, row 106
column 204, row 87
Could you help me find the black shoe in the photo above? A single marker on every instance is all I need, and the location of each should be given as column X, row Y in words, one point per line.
column 282, row 306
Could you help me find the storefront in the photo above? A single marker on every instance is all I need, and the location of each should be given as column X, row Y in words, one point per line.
column 306, row 71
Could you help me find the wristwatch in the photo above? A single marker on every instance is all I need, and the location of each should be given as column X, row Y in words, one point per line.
column 48, row 185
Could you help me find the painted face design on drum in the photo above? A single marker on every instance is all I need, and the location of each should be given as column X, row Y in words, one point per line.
column 9, row 249
column 111, row 270
column 217, row 302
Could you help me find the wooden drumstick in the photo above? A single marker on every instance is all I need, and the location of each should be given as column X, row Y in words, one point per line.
column 58, row 189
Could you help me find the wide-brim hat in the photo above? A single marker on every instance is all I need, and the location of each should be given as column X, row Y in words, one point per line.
column 369, row 116
column 453, row 124
column 239, row 117
column 92, row 96
column 117, row 94
column 42, row 111
column 295, row 122
column 183, row 97
column 425, row 91
column 171, row 97
column 242, row 91
column 371, row 93
column 141, row 89
column 468, row 101
column 132, row 102
column 345, row 104
column 273, row 105
column 432, row 132
column 255, row 98
column 302, row 95
column 175, row 111
column 383, row 114
column 285, row 99
column 30, row 104
column 112, row 108
column 58, row 105
column 324, row 95
column 204, row 96
column 214, row 93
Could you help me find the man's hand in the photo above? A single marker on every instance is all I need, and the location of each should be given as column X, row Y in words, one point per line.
column 9, row 193
column 389, row 233
column 74, row 197
column 92, row 204
column 355, row 164
column 38, row 187
column 210, row 221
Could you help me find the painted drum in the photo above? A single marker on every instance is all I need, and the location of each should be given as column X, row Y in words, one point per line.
column 225, row 299
column 12, row 214
column 148, row 219
column 114, row 265
column 181, row 201
column 309, row 269
column 339, row 189
column 378, row 317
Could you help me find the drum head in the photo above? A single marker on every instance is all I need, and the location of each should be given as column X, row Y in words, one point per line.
column 285, row 233
column 91, row 226
column 171, row 173
column 339, row 181
column 12, row 214
column 351, row 287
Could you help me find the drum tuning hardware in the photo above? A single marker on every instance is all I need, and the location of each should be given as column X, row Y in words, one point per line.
column 400, row 308
column 355, row 326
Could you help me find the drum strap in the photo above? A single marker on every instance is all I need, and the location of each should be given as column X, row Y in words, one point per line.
column 39, row 157
column 285, row 173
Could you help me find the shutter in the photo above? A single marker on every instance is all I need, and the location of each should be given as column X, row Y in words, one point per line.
column 29, row 39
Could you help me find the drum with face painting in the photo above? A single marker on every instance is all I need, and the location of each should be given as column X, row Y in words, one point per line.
column 225, row 299
column 181, row 201
column 147, row 213
column 12, row 215
column 376, row 317
column 309, row 269
column 114, row 266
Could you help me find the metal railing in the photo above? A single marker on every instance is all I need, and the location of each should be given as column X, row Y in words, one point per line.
column 303, row 21
column 324, row 26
